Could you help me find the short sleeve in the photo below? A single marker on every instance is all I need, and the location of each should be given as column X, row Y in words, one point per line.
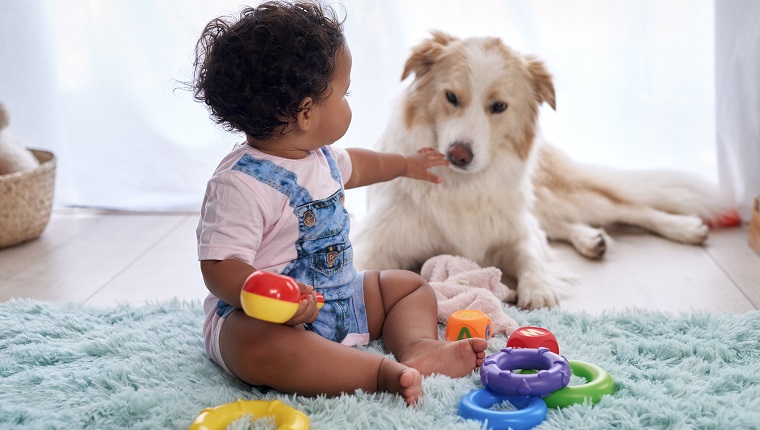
column 344, row 162
column 232, row 220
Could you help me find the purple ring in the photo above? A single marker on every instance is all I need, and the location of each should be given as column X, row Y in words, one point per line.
column 553, row 372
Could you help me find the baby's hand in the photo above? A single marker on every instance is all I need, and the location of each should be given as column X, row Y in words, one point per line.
column 307, row 308
column 417, row 165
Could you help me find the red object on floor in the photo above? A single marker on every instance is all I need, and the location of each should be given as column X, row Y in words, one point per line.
column 728, row 218
column 533, row 337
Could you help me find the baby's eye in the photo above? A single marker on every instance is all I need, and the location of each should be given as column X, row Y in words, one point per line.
column 348, row 93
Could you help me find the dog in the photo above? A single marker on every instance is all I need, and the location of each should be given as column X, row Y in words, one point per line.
column 507, row 192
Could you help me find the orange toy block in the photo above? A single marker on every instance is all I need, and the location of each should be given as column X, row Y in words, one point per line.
column 468, row 323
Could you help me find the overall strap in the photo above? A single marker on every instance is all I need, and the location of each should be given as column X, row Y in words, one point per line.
column 334, row 170
column 269, row 173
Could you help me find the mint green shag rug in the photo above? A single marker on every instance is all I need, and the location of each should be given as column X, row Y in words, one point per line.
column 76, row 366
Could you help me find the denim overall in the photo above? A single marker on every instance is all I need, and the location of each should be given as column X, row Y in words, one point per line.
column 324, row 254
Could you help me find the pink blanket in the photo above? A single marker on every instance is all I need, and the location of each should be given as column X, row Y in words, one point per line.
column 460, row 283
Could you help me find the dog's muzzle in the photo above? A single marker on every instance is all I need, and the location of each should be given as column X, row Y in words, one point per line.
column 460, row 154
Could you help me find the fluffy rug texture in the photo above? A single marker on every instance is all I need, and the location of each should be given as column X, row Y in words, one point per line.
column 75, row 366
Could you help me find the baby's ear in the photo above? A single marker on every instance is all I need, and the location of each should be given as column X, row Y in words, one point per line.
column 304, row 115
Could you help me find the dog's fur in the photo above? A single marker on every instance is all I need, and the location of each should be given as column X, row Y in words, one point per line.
column 507, row 191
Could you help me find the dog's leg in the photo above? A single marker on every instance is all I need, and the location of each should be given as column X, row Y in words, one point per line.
column 588, row 241
column 681, row 228
column 534, row 286
column 525, row 259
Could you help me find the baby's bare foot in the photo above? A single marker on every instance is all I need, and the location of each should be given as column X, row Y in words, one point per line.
column 410, row 384
column 396, row 378
column 455, row 359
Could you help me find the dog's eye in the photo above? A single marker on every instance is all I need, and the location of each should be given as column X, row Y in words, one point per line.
column 498, row 107
column 452, row 98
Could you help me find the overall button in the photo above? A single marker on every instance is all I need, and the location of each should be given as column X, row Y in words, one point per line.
column 331, row 256
column 341, row 199
column 309, row 219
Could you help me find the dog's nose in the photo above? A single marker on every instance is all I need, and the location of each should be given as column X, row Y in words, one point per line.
column 459, row 154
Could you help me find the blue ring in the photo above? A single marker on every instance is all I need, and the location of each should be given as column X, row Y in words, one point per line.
column 475, row 406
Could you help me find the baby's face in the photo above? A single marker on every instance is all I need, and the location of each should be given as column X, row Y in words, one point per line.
column 334, row 112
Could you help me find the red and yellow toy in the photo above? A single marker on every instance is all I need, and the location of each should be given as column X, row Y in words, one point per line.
column 272, row 297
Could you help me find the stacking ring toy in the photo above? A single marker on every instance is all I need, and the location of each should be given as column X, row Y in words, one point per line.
column 531, row 411
column 285, row 417
column 553, row 372
column 599, row 383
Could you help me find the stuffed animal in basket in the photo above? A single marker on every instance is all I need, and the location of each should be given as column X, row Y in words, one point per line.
column 13, row 157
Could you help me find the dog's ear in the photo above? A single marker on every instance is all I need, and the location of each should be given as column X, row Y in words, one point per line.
column 542, row 81
column 425, row 54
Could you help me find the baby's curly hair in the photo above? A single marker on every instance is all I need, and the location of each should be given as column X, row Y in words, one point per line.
column 253, row 72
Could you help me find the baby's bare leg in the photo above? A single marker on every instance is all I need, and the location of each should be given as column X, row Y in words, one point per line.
column 294, row 360
column 402, row 307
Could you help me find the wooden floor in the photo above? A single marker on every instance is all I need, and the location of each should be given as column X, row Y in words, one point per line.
column 107, row 258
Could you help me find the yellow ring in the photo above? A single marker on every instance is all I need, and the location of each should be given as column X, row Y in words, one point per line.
column 285, row 417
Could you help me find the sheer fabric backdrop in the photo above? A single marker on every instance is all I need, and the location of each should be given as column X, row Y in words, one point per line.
column 97, row 82
column 738, row 100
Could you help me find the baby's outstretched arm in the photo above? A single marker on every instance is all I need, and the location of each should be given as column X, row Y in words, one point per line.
column 370, row 167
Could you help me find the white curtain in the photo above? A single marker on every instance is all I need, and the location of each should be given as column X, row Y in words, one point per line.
column 738, row 99
column 96, row 82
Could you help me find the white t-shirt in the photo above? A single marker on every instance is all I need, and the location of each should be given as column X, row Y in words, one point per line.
column 247, row 220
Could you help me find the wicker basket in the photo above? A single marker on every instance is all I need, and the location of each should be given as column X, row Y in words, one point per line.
column 26, row 201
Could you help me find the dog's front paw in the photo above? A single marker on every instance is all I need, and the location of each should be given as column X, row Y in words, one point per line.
column 535, row 293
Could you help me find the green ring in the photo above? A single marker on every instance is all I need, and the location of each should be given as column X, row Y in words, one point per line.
column 599, row 383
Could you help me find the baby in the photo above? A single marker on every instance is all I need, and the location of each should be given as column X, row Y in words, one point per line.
column 280, row 73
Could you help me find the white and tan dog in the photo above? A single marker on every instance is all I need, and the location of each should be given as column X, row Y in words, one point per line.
column 507, row 191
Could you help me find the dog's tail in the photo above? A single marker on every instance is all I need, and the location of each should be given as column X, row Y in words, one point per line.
column 670, row 191
column 667, row 190
column 3, row 117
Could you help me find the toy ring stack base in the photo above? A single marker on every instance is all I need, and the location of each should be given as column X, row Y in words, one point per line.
column 531, row 411
column 217, row 418
column 599, row 383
